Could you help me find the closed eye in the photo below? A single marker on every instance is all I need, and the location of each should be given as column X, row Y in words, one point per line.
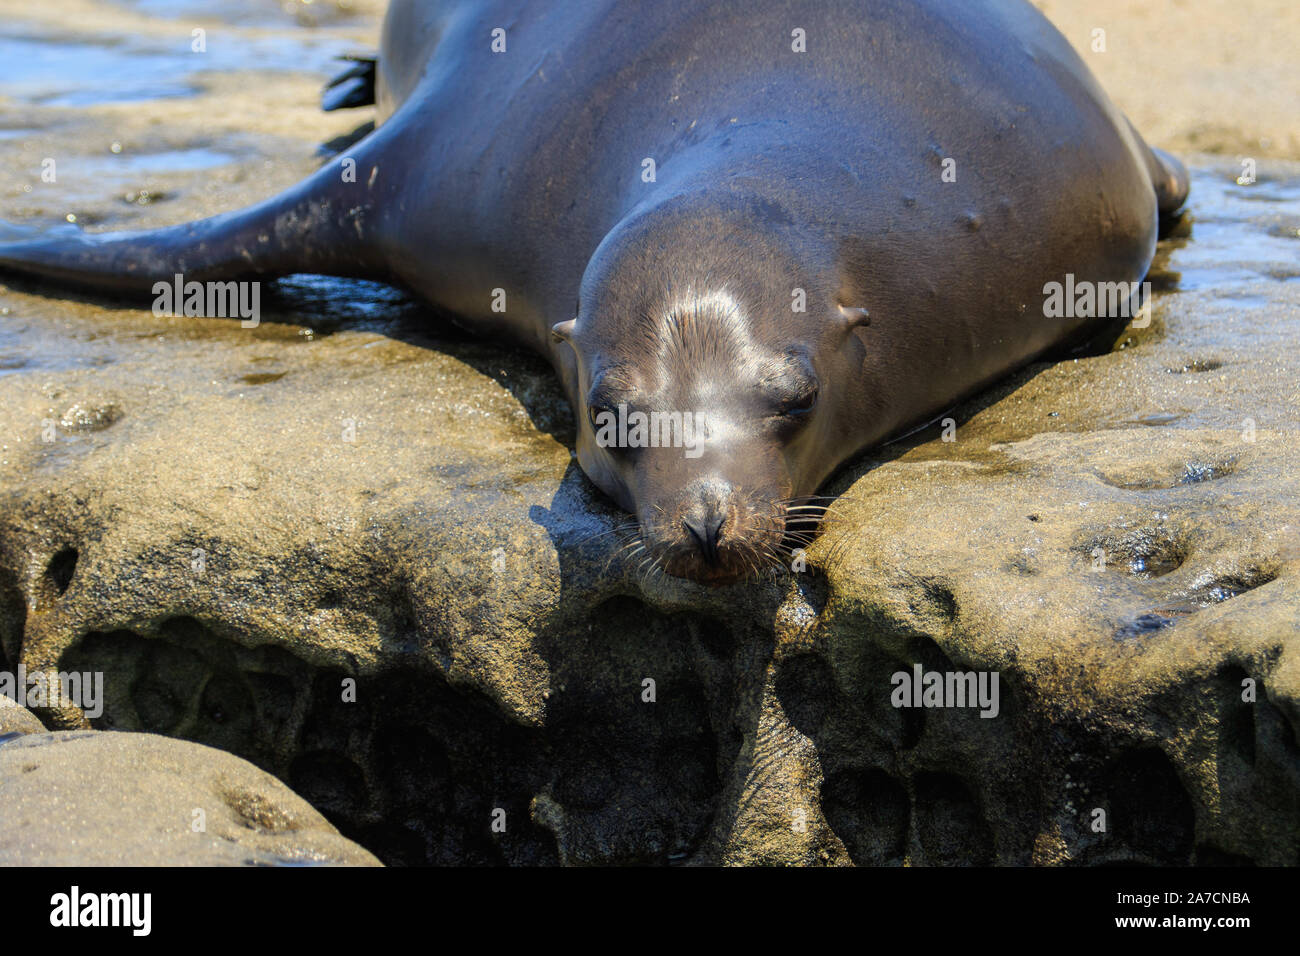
column 599, row 414
column 802, row 404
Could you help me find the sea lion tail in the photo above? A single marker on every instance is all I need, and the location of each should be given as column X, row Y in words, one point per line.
column 322, row 225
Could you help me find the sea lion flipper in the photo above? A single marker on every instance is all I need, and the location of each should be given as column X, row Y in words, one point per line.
column 1169, row 177
column 1171, row 180
column 322, row 225
column 352, row 88
column 12, row 232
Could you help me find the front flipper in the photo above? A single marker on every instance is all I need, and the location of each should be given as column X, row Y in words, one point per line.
column 325, row 224
column 12, row 232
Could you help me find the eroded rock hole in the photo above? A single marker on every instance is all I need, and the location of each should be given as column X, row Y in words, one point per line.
column 950, row 824
column 806, row 688
column 1150, row 812
column 868, row 810
column 60, row 570
column 1236, row 717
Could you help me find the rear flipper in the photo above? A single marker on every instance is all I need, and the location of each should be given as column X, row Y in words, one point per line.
column 353, row 88
column 1171, row 181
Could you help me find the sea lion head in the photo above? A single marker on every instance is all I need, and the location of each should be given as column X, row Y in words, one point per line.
column 704, row 404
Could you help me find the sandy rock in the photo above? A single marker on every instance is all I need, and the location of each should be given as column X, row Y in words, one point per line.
column 85, row 798
column 16, row 719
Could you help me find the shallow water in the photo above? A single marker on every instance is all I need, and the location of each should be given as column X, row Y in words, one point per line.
column 70, row 70
column 1240, row 233
column 303, row 12
column 84, row 178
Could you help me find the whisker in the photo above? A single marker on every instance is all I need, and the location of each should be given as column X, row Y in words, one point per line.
column 603, row 534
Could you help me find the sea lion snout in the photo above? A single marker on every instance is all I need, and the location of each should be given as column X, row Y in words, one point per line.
column 705, row 517
column 706, row 531
column 713, row 531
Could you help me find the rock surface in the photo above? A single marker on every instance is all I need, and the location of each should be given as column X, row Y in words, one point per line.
column 234, row 525
column 86, row 798
column 16, row 719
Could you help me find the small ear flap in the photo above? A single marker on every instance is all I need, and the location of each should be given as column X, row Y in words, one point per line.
column 854, row 318
column 563, row 331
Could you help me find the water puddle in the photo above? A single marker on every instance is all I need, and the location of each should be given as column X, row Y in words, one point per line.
column 77, row 71
column 327, row 301
column 87, row 178
column 56, row 72
column 178, row 160
column 307, row 13
column 1240, row 233
column 28, row 345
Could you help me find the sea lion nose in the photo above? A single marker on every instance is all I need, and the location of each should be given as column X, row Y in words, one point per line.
column 705, row 528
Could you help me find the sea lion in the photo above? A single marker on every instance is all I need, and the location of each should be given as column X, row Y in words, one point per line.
column 809, row 227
